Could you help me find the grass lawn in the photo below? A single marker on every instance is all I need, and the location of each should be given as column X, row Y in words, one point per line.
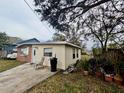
column 8, row 64
column 74, row 83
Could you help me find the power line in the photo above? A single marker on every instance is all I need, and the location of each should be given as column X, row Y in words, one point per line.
column 36, row 14
column 31, row 10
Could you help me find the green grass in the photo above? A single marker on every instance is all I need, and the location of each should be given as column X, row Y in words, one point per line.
column 8, row 64
column 74, row 83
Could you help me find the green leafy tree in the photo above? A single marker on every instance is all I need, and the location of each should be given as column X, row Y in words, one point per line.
column 58, row 37
column 73, row 35
column 3, row 39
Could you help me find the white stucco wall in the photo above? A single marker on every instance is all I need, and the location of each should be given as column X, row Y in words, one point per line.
column 64, row 53
column 59, row 50
column 69, row 55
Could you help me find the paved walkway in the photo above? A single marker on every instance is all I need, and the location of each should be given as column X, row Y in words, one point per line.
column 21, row 78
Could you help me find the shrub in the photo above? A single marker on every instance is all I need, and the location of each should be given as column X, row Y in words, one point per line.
column 85, row 65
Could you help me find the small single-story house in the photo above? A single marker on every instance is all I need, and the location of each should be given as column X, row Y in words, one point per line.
column 66, row 53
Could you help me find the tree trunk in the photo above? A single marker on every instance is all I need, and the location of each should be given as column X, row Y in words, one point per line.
column 104, row 51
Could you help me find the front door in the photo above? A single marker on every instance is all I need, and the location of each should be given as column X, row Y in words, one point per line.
column 34, row 55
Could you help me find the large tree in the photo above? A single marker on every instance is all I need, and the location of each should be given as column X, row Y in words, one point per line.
column 58, row 37
column 105, row 24
column 3, row 39
column 61, row 14
column 94, row 17
column 74, row 35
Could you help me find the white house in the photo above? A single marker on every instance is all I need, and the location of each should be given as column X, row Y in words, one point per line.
column 66, row 53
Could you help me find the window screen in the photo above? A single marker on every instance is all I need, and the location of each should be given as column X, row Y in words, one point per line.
column 48, row 52
column 73, row 53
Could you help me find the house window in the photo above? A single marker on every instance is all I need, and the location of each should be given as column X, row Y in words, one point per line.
column 24, row 51
column 48, row 52
column 34, row 52
column 77, row 53
column 73, row 53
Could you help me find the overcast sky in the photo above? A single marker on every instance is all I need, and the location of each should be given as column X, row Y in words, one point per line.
column 16, row 19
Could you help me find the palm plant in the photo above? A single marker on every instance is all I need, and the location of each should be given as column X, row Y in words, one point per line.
column 85, row 65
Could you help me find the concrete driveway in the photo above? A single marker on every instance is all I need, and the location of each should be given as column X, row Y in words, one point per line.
column 21, row 78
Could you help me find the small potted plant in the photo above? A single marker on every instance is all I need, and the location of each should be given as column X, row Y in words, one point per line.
column 98, row 72
column 85, row 66
column 108, row 72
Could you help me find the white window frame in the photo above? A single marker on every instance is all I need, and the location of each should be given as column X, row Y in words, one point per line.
column 47, row 52
column 77, row 53
column 24, row 51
